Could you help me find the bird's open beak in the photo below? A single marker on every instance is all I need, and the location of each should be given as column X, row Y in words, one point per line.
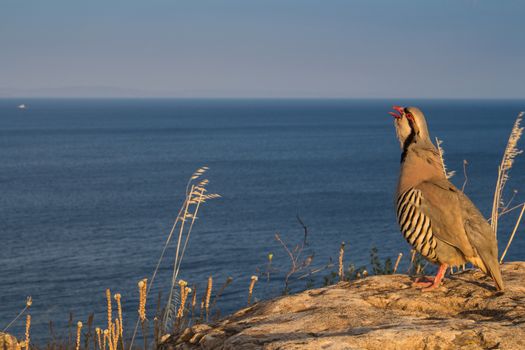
column 400, row 112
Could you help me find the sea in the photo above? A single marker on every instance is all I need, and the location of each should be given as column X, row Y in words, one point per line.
column 90, row 188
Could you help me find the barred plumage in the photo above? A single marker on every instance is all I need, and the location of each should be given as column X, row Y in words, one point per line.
column 415, row 225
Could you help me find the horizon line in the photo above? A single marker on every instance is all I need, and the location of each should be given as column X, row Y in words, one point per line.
column 255, row 98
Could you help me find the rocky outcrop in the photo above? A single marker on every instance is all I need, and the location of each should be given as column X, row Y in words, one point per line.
column 379, row 312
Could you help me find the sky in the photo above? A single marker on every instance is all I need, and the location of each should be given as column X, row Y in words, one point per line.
column 264, row 48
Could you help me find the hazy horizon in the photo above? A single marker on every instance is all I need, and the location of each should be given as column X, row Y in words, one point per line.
column 271, row 49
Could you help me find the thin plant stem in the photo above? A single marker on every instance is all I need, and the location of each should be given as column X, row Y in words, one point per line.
column 509, row 210
column 397, row 263
column 29, row 302
column 168, row 240
column 175, row 270
column 184, row 207
column 144, row 334
column 512, row 235
column 465, row 163
column 341, row 263
column 194, row 217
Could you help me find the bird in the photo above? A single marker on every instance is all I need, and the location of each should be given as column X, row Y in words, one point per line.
column 438, row 220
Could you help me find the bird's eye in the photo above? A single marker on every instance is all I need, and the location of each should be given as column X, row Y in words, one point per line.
column 410, row 116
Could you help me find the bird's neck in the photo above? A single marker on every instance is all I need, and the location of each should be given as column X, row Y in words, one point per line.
column 419, row 163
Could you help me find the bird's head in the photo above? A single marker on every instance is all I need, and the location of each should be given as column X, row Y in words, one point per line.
column 411, row 126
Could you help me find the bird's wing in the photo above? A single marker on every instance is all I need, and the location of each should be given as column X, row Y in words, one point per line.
column 440, row 202
column 457, row 221
column 482, row 237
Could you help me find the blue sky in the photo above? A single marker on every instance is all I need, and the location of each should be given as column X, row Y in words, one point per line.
column 265, row 48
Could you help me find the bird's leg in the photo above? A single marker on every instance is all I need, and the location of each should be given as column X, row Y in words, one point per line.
column 428, row 286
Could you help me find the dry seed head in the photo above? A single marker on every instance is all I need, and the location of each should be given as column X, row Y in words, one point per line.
column 118, row 298
column 142, row 298
column 110, row 312
column 109, row 340
column 99, row 337
column 511, row 151
column 208, row 293
column 254, row 279
column 441, row 152
column 341, row 256
column 79, row 328
column 183, row 298
column 199, row 172
column 29, row 301
column 28, row 326
column 194, row 298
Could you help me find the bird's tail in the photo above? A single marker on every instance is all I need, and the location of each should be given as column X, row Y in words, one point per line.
column 490, row 265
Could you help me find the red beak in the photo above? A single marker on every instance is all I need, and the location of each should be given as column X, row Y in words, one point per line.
column 400, row 112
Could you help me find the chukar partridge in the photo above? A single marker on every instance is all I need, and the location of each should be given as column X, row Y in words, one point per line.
column 437, row 219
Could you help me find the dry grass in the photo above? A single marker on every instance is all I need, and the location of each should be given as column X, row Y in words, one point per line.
column 183, row 296
column 253, row 280
column 195, row 195
column 28, row 327
column 448, row 174
column 29, row 302
column 79, row 329
column 397, row 262
column 226, row 283
column 142, row 285
column 208, row 297
column 513, row 233
column 341, row 272
column 511, row 151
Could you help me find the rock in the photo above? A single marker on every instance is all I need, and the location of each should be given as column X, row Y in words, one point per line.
column 381, row 312
column 8, row 342
column 186, row 335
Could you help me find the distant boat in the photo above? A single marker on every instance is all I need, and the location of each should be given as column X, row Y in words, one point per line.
column 22, row 106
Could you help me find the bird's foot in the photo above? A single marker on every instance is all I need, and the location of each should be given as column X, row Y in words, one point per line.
column 432, row 287
column 433, row 283
column 422, row 284
column 426, row 286
column 423, row 281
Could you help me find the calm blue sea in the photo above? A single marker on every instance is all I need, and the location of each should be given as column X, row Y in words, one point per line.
column 89, row 190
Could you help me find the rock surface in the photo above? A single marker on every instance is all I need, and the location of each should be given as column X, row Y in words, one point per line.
column 379, row 312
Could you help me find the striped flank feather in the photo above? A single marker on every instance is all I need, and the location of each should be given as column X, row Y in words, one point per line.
column 415, row 225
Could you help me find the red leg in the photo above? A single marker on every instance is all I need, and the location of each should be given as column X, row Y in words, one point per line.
column 430, row 285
